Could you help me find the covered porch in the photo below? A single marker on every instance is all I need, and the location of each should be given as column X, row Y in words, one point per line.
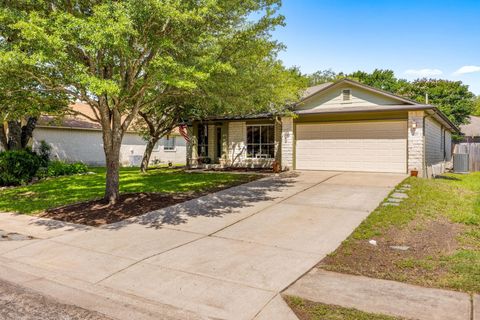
column 253, row 143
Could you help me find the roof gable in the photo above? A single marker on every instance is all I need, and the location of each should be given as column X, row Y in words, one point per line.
column 330, row 95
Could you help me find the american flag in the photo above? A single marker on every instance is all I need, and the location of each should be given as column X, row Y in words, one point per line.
column 183, row 131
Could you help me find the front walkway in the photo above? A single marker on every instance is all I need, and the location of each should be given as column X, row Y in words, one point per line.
column 383, row 296
column 225, row 256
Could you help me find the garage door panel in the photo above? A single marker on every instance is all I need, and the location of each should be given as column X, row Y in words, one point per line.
column 360, row 146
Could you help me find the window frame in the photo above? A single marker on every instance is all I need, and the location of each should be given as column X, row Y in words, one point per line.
column 260, row 143
column 174, row 146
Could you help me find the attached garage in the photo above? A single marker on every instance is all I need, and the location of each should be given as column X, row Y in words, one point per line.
column 369, row 146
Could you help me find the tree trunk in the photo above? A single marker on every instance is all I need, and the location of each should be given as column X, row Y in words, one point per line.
column 112, row 182
column 3, row 136
column 14, row 135
column 27, row 131
column 152, row 141
column 112, row 143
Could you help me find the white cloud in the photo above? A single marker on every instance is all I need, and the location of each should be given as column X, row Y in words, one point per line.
column 423, row 72
column 467, row 69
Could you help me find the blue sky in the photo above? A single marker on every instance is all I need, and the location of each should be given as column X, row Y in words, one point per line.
column 438, row 39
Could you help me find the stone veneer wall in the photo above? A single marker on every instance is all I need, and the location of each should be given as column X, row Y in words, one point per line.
column 287, row 143
column 236, row 142
column 416, row 142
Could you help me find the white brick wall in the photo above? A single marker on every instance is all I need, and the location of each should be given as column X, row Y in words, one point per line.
column 287, row 143
column 415, row 142
column 87, row 146
column 236, row 142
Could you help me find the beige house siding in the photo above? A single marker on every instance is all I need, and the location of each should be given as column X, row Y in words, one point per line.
column 334, row 97
column 433, row 142
column 448, row 146
column 87, row 146
column 437, row 147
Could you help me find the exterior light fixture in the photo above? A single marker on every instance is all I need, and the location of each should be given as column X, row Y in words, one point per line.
column 413, row 124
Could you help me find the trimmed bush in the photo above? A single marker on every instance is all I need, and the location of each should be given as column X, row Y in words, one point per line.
column 60, row 168
column 43, row 152
column 18, row 167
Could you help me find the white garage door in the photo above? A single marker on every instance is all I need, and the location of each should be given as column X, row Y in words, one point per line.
column 374, row 146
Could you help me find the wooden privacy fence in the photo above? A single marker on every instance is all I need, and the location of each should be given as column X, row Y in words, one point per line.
column 473, row 151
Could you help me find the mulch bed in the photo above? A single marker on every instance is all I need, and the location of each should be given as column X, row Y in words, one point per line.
column 97, row 212
column 431, row 238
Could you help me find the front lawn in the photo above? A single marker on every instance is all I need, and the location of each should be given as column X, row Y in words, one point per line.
column 308, row 310
column 55, row 192
column 438, row 225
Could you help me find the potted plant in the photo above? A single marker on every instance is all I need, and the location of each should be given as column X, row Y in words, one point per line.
column 414, row 172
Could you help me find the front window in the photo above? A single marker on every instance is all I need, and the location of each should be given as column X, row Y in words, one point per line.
column 261, row 141
column 169, row 144
column 202, row 148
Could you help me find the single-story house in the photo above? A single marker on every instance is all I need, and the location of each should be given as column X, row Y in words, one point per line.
column 471, row 131
column 344, row 126
column 76, row 138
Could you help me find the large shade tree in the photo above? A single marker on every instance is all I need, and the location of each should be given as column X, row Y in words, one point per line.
column 22, row 97
column 122, row 57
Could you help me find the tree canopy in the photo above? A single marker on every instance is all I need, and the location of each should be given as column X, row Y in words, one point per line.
column 123, row 57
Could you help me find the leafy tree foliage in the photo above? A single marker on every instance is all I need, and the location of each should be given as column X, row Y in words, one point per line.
column 452, row 97
column 22, row 96
column 322, row 76
column 381, row 79
column 477, row 106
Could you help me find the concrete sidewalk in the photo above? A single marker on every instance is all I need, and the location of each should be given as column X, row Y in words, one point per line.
column 382, row 296
column 225, row 256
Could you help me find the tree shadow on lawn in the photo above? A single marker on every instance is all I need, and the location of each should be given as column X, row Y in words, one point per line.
column 218, row 204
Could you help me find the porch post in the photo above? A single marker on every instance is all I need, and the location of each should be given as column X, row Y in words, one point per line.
column 287, row 143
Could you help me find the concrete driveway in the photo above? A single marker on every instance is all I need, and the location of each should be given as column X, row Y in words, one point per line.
column 223, row 256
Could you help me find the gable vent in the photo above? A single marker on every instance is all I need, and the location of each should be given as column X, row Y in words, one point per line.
column 346, row 94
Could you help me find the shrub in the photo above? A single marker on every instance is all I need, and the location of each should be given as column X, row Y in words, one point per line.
column 44, row 151
column 60, row 168
column 18, row 167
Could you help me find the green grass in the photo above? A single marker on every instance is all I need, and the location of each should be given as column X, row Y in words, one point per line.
column 454, row 198
column 457, row 197
column 307, row 310
column 56, row 192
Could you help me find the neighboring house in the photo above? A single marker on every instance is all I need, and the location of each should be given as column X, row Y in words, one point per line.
column 77, row 138
column 471, row 131
column 344, row 126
